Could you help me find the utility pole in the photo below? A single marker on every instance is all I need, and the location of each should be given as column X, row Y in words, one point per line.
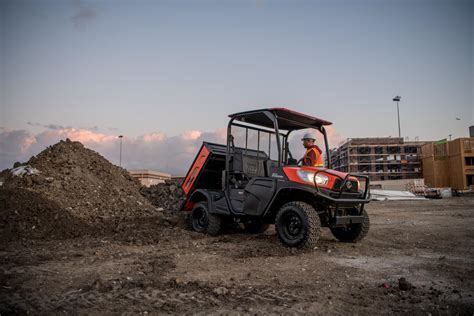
column 397, row 99
column 120, row 161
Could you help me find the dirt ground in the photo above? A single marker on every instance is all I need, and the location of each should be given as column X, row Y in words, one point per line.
column 156, row 270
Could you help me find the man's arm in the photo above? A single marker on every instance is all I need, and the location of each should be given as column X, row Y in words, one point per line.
column 309, row 158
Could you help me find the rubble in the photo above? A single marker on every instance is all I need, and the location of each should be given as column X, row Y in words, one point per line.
column 24, row 170
column 167, row 196
column 65, row 190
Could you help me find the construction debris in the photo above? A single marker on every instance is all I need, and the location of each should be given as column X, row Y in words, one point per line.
column 167, row 196
column 24, row 170
column 419, row 188
column 384, row 195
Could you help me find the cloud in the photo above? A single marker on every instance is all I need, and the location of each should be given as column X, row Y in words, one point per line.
column 155, row 150
column 153, row 137
column 192, row 135
column 14, row 145
column 83, row 15
column 149, row 151
column 48, row 126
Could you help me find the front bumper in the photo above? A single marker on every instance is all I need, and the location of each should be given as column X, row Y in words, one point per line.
column 340, row 197
column 347, row 220
column 344, row 198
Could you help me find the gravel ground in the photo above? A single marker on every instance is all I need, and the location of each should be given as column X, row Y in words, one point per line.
column 417, row 259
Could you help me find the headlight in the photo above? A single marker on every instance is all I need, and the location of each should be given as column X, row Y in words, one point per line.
column 309, row 177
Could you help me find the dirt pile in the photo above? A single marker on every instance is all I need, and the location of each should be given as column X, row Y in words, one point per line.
column 167, row 196
column 74, row 188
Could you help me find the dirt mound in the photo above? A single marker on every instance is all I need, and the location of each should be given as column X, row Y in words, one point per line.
column 167, row 196
column 66, row 188
column 27, row 214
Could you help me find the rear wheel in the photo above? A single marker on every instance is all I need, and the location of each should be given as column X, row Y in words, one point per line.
column 255, row 226
column 298, row 225
column 203, row 222
column 353, row 232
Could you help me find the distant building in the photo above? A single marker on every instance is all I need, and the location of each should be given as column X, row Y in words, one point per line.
column 178, row 179
column 449, row 163
column 150, row 177
column 381, row 158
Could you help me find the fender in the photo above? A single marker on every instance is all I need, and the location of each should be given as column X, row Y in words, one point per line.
column 203, row 194
column 281, row 186
column 200, row 195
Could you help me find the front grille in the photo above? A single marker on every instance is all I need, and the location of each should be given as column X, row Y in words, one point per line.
column 353, row 187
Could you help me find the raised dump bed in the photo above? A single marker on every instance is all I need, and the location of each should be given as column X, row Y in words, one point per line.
column 209, row 164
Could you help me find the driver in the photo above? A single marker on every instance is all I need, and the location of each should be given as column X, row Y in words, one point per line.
column 313, row 156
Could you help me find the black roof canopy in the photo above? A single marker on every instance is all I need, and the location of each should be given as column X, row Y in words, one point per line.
column 287, row 119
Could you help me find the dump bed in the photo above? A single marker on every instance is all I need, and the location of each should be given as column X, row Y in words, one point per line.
column 206, row 170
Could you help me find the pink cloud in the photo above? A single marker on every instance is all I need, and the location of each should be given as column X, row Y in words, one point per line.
column 84, row 135
column 27, row 142
column 191, row 135
column 153, row 137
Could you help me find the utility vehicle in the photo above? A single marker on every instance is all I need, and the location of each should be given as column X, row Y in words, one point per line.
column 228, row 182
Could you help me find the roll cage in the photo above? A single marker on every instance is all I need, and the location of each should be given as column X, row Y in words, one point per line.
column 280, row 122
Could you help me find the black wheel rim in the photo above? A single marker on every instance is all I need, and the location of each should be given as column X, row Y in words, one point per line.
column 292, row 225
column 200, row 219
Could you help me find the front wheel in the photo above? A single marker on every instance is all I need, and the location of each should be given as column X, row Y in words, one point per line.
column 298, row 225
column 203, row 222
column 353, row 232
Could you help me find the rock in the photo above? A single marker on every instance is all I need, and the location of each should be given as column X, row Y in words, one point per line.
column 38, row 179
column 404, row 285
column 221, row 290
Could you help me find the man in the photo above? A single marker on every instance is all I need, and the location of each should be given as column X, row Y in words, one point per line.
column 313, row 156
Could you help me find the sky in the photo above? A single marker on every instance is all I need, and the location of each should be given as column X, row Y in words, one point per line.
column 165, row 74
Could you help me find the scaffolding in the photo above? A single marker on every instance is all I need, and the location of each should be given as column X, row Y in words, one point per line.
column 381, row 158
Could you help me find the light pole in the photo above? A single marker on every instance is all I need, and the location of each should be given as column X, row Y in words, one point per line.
column 120, row 161
column 397, row 99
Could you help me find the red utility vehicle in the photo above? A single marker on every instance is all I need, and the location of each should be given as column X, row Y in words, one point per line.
column 247, row 185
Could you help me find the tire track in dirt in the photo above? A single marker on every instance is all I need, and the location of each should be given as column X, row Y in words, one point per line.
column 167, row 297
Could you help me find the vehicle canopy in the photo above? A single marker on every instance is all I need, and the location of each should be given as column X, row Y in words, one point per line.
column 287, row 119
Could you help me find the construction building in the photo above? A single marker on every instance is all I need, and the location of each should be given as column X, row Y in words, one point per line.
column 449, row 163
column 381, row 158
column 149, row 177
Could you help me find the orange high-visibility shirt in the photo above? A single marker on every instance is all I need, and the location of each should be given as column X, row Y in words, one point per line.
column 313, row 157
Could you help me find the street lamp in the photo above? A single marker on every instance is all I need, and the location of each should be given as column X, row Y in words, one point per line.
column 120, row 163
column 397, row 99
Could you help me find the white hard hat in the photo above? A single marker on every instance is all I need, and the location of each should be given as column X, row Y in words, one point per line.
column 309, row 135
